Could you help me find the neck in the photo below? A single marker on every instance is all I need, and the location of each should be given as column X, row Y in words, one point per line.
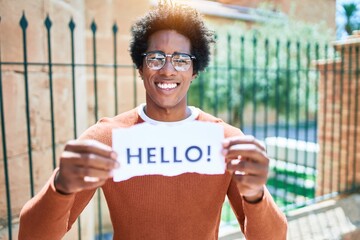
column 167, row 114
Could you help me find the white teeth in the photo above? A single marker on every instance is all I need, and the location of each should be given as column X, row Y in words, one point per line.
column 166, row 85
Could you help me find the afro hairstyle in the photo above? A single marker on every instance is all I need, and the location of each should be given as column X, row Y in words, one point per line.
column 180, row 18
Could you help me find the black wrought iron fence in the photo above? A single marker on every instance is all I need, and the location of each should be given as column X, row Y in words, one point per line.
column 275, row 90
column 267, row 87
column 49, row 66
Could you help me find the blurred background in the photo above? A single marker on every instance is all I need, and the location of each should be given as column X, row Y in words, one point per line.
column 286, row 72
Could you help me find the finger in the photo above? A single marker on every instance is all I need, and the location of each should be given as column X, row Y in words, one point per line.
column 91, row 179
column 246, row 139
column 247, row 151
column 249, row 181
column 91, row 173
column 88, row 160
column 90, row 146
column 247, row 167
column 74, row 182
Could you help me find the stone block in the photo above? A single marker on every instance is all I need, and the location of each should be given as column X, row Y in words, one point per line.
column 12, row 49
column 61, row 13
column 39, row 108
column 12, row 45
column 4, row 232
column 63, row 107
column 106, row 93
column 105, row 15
column 105, row 215
column 14, row 114
column 19, row 172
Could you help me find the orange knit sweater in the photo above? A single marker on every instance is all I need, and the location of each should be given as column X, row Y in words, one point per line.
column 187, row 206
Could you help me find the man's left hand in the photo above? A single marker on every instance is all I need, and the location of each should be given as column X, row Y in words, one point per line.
column 247, row 160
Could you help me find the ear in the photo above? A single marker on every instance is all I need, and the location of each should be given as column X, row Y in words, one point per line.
column 194, row 76
column 141, row 72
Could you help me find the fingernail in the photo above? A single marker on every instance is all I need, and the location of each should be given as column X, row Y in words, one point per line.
column 117, row 164
column 225, row 142
column 224, row 152
column 113, row 155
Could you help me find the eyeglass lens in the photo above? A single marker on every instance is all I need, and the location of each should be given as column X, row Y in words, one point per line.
column 157, row 60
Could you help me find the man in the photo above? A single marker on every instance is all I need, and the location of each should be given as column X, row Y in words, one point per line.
column 170, row 46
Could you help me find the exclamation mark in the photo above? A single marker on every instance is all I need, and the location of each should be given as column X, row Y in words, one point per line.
column 208, row 151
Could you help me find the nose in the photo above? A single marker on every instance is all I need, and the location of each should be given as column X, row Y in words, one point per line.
column 168, row 69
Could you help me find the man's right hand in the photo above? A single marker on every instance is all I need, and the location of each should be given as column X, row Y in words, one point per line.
column 84, row 165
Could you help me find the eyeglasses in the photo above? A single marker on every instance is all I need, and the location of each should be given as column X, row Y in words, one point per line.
column 155, row 60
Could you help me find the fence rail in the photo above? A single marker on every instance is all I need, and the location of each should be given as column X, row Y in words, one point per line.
column 267, row 87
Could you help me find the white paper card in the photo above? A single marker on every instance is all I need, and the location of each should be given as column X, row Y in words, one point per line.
column 146, row 149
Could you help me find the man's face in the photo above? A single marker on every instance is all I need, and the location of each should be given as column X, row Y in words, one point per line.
column 167, row 88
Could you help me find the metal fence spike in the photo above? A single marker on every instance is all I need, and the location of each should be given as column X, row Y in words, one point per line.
column 48, row 22
column 23, row 21
column 115, row 28
column 72, row 24
column 93, row 26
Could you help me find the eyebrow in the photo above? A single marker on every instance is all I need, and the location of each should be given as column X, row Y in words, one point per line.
column 176, row 52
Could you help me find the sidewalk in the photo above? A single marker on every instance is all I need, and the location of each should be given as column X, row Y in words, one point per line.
column 328, row 220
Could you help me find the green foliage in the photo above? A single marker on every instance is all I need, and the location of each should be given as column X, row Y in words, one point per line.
column 349, row 10
column 269, row 65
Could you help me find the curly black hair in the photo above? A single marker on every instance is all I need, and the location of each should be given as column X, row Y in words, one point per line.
column 171, row 16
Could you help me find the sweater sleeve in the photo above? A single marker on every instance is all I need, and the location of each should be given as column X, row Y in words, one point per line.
column 49, row 215
column 262, row 220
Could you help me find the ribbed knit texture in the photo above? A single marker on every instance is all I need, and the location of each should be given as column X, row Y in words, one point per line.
column 187, row 206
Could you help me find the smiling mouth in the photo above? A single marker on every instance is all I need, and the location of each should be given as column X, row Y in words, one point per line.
column 166, row 85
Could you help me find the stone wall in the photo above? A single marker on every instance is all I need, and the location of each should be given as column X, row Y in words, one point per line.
column 339, row 119
column 83, row 12
column 106, row 13
column 39, row 97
